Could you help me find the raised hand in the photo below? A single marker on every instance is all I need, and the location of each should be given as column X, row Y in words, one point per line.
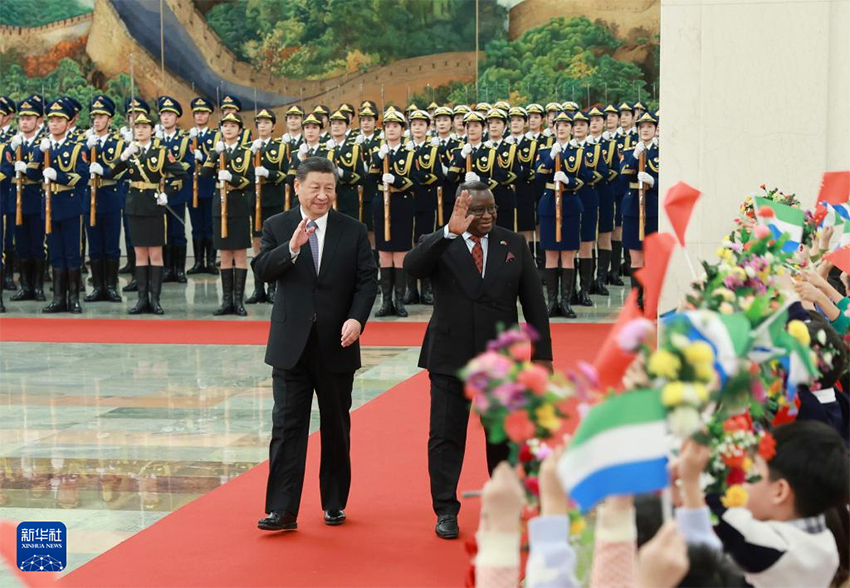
column 300, row 236
column 461, row 219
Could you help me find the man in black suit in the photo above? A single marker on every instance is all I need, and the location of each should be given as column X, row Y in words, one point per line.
column 478, row 271
column 326, row 285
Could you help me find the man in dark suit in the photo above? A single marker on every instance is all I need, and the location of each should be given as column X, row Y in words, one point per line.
column 326, row 285
column 478, row 271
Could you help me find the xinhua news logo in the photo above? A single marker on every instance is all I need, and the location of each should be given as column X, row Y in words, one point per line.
column 42, row 547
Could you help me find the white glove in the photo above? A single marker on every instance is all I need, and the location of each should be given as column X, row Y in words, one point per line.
column 409, row 146
column 256, row 145
column 287, row 137
column 639, row 148
column 388, row 178
column 510, row 140
column 646, row 179
column 219, row 146
column 161, row 199
column 330, row 144
column 488, row 143
column 382, row 152
column 89, row 133
column 224, row 175
column 529, row 135
column 471, row 177
column 445, row 169
column 547, row 132
column 435, row 141
column 124, row 130
column 339, row 172
column 157, row 128
column 302, row 151
column 199, row 155
column 96, row 169
column 129, row 152
column 44, row 145
column 91, row 141
column 17, row 141
column 159, row 134
column 261, row 172
column 49, row 174
column 193, row 132
column 466, row 150
column 562, row 178
column 20, row 166
column 359, row 139
column 555, row 150
column 127, row 134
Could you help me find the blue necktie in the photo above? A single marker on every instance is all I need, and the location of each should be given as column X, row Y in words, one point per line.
column 314, row 244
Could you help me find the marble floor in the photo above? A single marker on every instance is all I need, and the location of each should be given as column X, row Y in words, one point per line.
column 110, row 438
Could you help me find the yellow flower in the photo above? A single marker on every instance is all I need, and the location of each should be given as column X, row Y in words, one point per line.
column 739, row 272
column 701, row 392
column 735, row 496
column 664, row 364
column 673, row 394
column 705, row 372
column 577, row 527
column 799, row 331
column 725, row 293
column 726, row 308
column 724, row 254
column 748, row 463
column 699, row 353
column 547, row 418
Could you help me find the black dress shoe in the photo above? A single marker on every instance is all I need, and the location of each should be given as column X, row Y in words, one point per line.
column 278, row 521
column 334, row 518
column 447, row 527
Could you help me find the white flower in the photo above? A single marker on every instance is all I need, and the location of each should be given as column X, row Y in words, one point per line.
column 684, row 421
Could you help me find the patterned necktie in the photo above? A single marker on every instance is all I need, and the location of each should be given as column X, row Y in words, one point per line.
column 314, row 244
column 477, row 253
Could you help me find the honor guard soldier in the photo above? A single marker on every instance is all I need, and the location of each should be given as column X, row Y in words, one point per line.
column 607, row 207
column 369, row 140
column 63, row 167
column 232, row 105
column 350, row 168
column 29, row 235
column 552, row 110
column 132, row 108
column 8, row 109
column 202, row 139
column 427, row 174
column 311, row 147
column 393, row 165
column 7, row 172
column 294, row 120
column 536, row 131
column 322, row 113
column 474, row 161
column 612, row 122
column 447, row 142
column 561, row 167
column 147, row 165
column 526, row 186
column 639, row 110
column 458, row 114
column 271, row 168
column 348, row 110
column 626, row 139
column 643, row 154
column 506, row 169
column 74, row 132
column 233, row 166
column 411, row 108
column 178, row 188
column 104, row 234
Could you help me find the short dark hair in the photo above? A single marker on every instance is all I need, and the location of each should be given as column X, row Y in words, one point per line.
column 472, row 187
column 320, row 165
column 811, row 457
column 709, row 567
column 817, row 324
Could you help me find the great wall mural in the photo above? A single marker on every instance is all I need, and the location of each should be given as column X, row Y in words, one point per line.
column 320, row 51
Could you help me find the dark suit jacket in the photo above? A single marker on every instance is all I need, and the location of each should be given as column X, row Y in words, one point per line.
column 467, row 308
column 345, row 288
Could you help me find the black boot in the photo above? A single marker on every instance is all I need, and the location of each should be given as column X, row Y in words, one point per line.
column 603, row 260
column 626, row 268
column 399, row 292
column 198, row 250
column 180, row 264
column 141, row 280
column 427, row 293
column 585, row 271
column 227, row 293
column 168, row 264
column 271, row 293
column 387, row 308
column 132, row 285
column 259, row 293
column 412, row 294
column 550, row 279
column 38, row 279
column 98, row 293
column 27, row 291
column 60, row 283
column 155, row 288
column 75, row 280
column 568, row 281
column 130, row 266
column 239, row 278
column 9, row 272
column 111, row 280
column 636, row 285
column 2, row 306
column 616, row 257
column 210, row 265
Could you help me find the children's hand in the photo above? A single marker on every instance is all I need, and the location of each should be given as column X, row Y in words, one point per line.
column 663, row 560
column 553, row 497
column 501, row 501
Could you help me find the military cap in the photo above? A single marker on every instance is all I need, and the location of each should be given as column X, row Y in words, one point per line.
column 553, row 107
column 579, row 116
column 433, row 105
column 136, row 104
column 460, row 109
column 31, row 107
column 473, row 116
column 611, row 109
column 563, row 116
column 322, row 109
column 340, row 115
column 497, row 113
column 102, row 104
column 295, row 110
column 443, row 111
column 502, row 105
column 647, row 117
column 595, row 112
column 265, row 113
column 169, row 104
column 346, row 108
column 411, row 107
column 312, row 119
column 7, row 105
column 142, row 118
column 483, row 107
column 393, row 115
column 60, row 108
column 371, row 104
column 518, row 111
column 231, row 102
column 571, row 106
column 639, row 106
column 73, row 104
column 367, row 110
column 232, row 117
column 201, row 104
column 625, row 106
column 534, row 108
column 419, row 115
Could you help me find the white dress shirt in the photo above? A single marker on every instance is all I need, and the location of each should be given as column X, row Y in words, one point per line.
column 321, row 231
column 467, row 238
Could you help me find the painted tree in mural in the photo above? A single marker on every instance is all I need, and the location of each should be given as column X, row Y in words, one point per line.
column 27, row 13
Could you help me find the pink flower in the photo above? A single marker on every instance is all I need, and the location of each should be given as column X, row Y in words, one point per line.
column 493, row 364
column 519, row 427
column 521, row 351
column 634, row 333
column 535, row 378
column 766, row 212
column 589, row 372
column 761, row 231
column 482, row 403
column 510, row 395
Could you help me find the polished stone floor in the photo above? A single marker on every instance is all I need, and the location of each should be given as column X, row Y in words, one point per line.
column 110, row 438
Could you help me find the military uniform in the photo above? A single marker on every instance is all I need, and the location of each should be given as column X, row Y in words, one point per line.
column 322, row 112
column 351, row 171
column 104, row 236
column 631, row 200
column 232, row 103
column 370, row 185
column 7, row 201
column 203, row 142
column 7, row 171
column 136, row 106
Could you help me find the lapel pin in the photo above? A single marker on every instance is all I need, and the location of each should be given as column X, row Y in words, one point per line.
column 503, row 242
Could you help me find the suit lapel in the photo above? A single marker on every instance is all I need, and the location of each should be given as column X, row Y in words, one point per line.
column 496, row 253
column 332, row 238
column 468, row 274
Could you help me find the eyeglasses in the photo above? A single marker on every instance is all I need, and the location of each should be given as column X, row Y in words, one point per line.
column 480, row 210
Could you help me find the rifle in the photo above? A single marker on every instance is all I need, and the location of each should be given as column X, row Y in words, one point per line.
column 48, row 222
column 93, row 184
column 286, row 189
column 195, row 174
column 360, row 203
column 258, row 217
column 440, row 205
column 223, row 195
column 19, row 182
column 641, row 198
column 387, row 200
column 559, row 205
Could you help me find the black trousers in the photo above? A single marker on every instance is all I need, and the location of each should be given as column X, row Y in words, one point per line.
column 293, row 398
column 447, row 443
